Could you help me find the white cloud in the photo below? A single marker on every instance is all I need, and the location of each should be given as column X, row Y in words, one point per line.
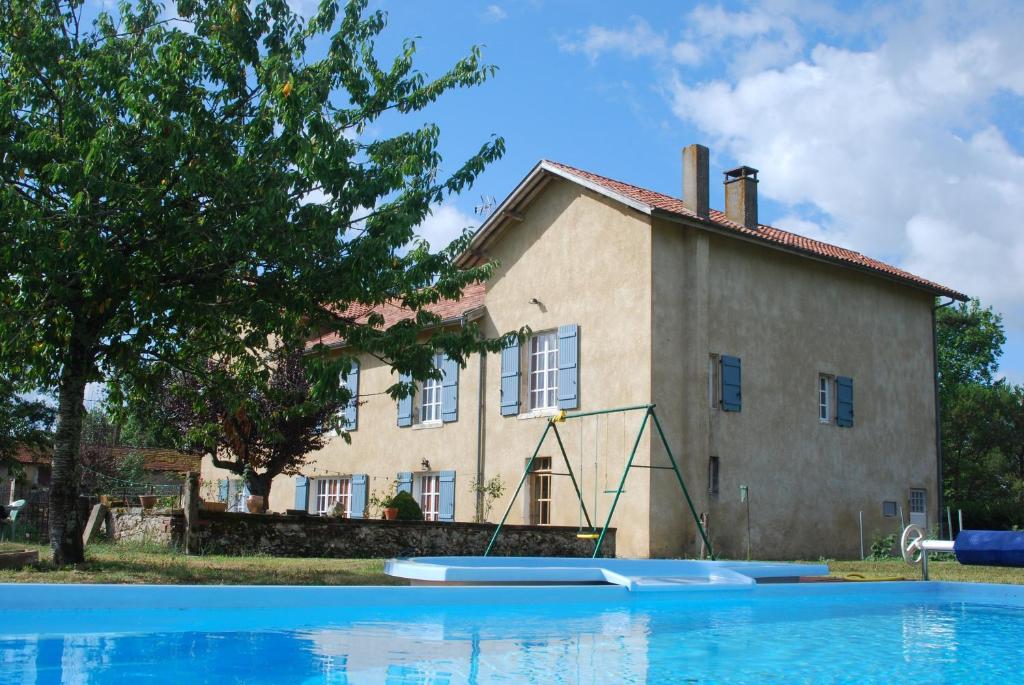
column 494, row 13
column 895, row 146
column 637, row 40
column 445, row 223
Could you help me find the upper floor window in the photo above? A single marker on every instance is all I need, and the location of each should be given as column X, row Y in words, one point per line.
column 544, row 371
column 825, row 398
column 332, row 493
column 430, row 395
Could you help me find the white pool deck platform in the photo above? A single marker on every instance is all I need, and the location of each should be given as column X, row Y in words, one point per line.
column 637, row 575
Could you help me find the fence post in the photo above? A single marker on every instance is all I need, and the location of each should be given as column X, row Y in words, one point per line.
column 190, row 505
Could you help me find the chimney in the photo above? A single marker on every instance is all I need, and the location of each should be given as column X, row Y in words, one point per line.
column 741, row 196
column 695, row 179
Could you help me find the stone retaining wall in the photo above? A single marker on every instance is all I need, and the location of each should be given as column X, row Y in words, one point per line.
column 157, row 526
column 313, row 536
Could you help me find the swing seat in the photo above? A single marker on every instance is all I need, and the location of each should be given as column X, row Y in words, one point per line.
column 587, row 536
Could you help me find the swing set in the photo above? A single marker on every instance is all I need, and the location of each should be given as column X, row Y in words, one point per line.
column 592, row 533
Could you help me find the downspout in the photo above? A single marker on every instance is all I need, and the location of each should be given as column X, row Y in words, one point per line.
column 940, row 497
column 482, row 382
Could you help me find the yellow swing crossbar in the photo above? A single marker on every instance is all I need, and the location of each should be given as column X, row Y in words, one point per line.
column 587, row 536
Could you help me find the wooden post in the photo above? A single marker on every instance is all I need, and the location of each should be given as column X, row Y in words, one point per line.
column 190, row 505
column 96, row 519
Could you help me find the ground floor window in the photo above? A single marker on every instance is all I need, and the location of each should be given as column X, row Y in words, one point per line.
column 430, row 496
column 334, row 493
column 540, row 492
column 918, row 506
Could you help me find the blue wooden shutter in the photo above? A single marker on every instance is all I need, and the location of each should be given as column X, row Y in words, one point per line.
column 844, row 401
column 510, row 379
column 404, row 482
column 568, row 366
column 222, row 490
column 302, row 493
column 358, row 502
column 731, row 395
column 449, row 390
column 405, row 405
column 446, row 496
column 352, row 409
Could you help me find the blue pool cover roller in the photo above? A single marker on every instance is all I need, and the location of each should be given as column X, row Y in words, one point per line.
column 990, row 548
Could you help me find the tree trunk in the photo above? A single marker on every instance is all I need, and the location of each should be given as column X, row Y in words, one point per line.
column 65, row 521
column 259, row 484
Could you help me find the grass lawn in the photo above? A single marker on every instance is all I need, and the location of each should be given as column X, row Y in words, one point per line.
column 153, row 564
column 126, row 563
column 937, row 570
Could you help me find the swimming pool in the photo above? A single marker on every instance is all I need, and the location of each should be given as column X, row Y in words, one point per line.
column 856, row 633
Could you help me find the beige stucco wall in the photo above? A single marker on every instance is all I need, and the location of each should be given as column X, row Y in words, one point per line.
column 586, row 260
column 652, row 303
column 789, row 319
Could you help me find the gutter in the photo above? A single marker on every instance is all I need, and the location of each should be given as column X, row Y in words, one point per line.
column 938, row 413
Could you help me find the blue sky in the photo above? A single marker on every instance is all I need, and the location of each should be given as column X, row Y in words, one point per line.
column 894, row 129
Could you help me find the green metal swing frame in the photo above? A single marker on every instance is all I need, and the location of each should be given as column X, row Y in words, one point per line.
column 650, row 416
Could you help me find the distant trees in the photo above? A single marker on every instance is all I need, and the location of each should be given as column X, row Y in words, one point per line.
column 25, row 423
column 982, row 419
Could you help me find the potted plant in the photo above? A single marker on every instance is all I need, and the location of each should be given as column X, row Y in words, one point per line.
column 254, row 503
column 147, row 501
column 382, row 501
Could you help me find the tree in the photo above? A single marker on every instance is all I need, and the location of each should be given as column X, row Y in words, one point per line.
column 268, row 433
column 179, row 189
column 982, row 419
column 24, row 423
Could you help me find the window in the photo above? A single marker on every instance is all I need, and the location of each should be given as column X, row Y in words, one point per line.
column 540, row 490
column 825, row 398
column 544, row 371
column 889, row 509
column 713, row 476
column 334, row 492
column 713, row 381
column 430, row 395
column 919, row 506
column 430, row 496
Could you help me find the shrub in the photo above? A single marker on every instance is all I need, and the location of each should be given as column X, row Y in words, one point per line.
column 882, row 548
column 408, row 508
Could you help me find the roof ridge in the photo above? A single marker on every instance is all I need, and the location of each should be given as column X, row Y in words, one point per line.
column 764, row 232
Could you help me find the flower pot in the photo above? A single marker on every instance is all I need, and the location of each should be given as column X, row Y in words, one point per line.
column 254, row 504
column 147, row 501
column 105, row 500
column 214, row 506
column 391, row 513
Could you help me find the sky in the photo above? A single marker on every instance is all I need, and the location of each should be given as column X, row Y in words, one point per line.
column 896, row 129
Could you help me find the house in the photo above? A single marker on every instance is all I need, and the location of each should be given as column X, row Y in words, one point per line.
column 160, row 466
column 795, row 379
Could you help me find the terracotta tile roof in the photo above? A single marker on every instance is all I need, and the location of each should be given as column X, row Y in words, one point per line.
column 768, row 234
column 154, row 458
column 472, row 298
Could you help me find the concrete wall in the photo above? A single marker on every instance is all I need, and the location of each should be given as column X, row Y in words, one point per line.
column 790, row 319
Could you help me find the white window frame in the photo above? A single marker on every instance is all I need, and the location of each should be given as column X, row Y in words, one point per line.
column 825, row 398
column 915, row 495
column 540, row 492
column 429, row 495
column 332, row 491
column 429, row 410
column 542, row 379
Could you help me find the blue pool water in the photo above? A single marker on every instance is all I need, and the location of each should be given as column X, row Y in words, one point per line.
column 825, row 633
